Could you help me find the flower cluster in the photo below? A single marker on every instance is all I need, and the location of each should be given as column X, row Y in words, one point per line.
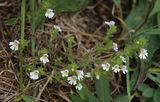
column 116, row 68
column 74, row 79
column 14, row 45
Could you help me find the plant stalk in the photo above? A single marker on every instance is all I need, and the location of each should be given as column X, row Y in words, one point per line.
column 23, row 9
column 32, row 10
column 128, row 80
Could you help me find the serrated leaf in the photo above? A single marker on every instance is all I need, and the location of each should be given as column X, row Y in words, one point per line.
column 148, row 92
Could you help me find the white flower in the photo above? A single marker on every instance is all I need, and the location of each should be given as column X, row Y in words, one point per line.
column 143, row 53
column 124, row 69
column 110, row 23
column 116, row 68
column 65, row 73
column 79, row 86
column 97, row 77
column 49, row 13
column 105, row 66
column 44, row 58
column 80, row 74
column 14, row 45
column 88, row 75
column 34, row 75
column 72, row 80
column 115, row 47
column 57, row 28
column 123, row 59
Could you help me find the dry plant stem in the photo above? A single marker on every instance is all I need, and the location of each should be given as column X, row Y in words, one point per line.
column 41, row 91
column 23, row 8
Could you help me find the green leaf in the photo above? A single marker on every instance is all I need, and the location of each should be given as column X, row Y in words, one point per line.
column 86, row 95
column 143, row 87
column 76, row 98
column 138, row 13
column 27, row 99
column 102, row 89
column 156, row 96
column 12, row 21
column 156, row 7
column 148, row 92
column 121, row 98
column 117, row 3
column 70, row 5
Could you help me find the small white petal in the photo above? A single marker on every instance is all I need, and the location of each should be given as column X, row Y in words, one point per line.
column 88, row 75
column 44, row 59
column 143, row 54
column 72, row 80
column 34, row 75
column 115, row 47
column 65, row 73
column 79, row 86
column 14, row 45
column 124, row 69
column 110, row 23
column 106, row 66
column 116, row 68
column 123, row 59
column 58, row 28
column 49, row 13
column 97, row 77
column 80, row 74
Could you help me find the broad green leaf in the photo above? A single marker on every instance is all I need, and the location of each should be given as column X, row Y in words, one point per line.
column 148, row 92
column 143, row 87
column 27, row 99
column 102, row 89
column 84, row 93
column 156, row 96
column 137, row 15
column 76, row 98
column 156, row 8
column 121, row 98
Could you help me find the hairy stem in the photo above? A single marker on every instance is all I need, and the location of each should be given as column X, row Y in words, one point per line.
column 22, row 38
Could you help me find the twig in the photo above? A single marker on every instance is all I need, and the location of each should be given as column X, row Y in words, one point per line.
column 41, row 91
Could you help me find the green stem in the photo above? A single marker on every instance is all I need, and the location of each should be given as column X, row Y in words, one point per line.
column 22, row 38
column 128, row 80
column 32, row 10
